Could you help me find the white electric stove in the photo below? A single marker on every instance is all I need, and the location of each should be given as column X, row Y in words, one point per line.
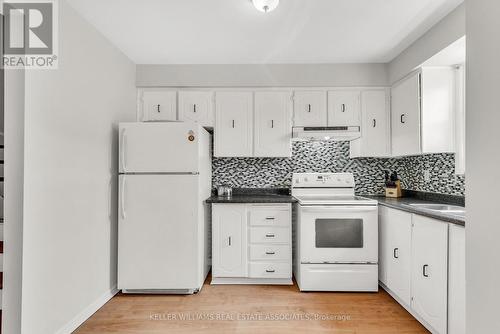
column 336, row 234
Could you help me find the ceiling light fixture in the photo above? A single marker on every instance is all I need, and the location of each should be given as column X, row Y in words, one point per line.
column 266, row 5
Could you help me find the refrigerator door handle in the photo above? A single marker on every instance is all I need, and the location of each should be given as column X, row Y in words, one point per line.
column 123, row 149
column 122, row 204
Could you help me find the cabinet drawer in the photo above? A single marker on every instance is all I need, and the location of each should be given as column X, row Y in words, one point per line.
column 270, row 235
column 270, row 270
column 270, row 216
column 270, row 252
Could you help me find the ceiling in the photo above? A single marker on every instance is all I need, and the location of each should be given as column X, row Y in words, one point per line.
column 234, row 32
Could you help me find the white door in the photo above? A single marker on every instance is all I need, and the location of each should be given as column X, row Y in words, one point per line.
column 273, row 126
column 399, row 242
column 159, row 105
column 157, row 232
column 430, row 271
column 229, row 233
column 456, row 281
column 233, row 124
column 344, row 108
column 309, row 108
column 405, row 119
column 159, row 147
column 197, row 106
column 335, row 234
column 375, row 130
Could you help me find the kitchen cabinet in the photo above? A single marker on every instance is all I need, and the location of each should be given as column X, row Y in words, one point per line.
column 273, row 128
column 395, row 251
column 233, row 124
column 422, row 112
column 197, row 106
column 157, row 105
column 429, row 280
column 229, row 233
column 309, row 108
column 251, row 244
column 456, row 280
column 375, row 125
column 344, row 108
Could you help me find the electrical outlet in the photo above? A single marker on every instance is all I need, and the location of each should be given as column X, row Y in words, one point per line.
column 427, row 176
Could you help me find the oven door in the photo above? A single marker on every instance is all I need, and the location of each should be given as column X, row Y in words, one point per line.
column 338, row 234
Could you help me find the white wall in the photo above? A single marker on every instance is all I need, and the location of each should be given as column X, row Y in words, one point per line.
column 447, row 31
column 71, row 116
column 483, row 161
column 277, row 75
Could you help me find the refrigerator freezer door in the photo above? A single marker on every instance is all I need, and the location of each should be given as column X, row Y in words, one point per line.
column 158, row 232
column 159, row 147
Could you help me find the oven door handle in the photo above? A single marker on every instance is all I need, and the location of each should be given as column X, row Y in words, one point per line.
column 323, row 208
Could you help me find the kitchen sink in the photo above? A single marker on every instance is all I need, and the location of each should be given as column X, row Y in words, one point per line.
column 443, row 208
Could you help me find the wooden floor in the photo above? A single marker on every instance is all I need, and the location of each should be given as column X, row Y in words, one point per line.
column 237, row 308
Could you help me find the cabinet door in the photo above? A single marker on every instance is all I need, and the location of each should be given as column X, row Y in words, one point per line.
column 384, row 253
column 229, row 233
column 456, row 281
column 233, row 124
column 273, row 127
column 399, row 252
column 159, row 105
column 430, row 271
column 375, row 130
column 406, row 116
column 344, row 108
column 309, row 108
column 196, row 106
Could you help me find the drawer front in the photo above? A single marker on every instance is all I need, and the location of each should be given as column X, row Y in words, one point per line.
column 270, row 253
column 270, row 270
column 270, row 235
column 270, row 216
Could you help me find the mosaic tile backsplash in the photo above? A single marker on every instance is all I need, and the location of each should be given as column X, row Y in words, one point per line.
column 334, row 157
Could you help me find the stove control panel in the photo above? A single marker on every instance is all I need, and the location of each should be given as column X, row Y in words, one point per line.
column 323, row 180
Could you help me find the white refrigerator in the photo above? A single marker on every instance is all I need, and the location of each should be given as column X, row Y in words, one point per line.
column 165, row 177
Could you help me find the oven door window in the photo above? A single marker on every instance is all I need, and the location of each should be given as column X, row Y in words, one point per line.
column 339, row 233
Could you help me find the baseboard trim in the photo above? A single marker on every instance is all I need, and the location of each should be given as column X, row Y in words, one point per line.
column 74, row 323
column 252, row 281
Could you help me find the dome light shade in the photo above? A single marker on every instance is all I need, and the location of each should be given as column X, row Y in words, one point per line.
column 266, row 5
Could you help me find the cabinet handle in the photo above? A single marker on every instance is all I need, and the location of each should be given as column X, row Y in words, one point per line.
column 374, row 123
column 270, row 253
column 395, row 253
column 424, row 270
column 308, row 108
column 270, row 218
column 270, row 235
column 343, row 107
column 194, row 107
column 402, row 118
column 272, row 124
column 158, row 107
column 229, row 241
column 270, row 270
column 233, row 123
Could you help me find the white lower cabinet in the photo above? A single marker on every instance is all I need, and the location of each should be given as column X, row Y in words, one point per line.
column 429, row 279
column 422, row 269
column 251, row 244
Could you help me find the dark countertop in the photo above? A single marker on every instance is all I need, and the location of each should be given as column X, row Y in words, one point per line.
column 403, row 204
column 254, row 195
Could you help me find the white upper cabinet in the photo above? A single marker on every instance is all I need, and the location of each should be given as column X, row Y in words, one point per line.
column 197, row 106
column 344, row 108
column 430, row 271
column 309, row 108
column 273, row 128
column 375, row 128
column 233, row 124
column 422, row 112
column 157, row 105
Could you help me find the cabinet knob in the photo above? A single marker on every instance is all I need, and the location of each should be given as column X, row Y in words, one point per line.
column 270, row 235
column 158, row 108
column 342, row 108
column 424, row 270
column 194, row 107
column 270, row 271
column 374, row 123
column 233, row 123
column 403, row 118
column 308, row 108
column 270, row 253
column 395, row 253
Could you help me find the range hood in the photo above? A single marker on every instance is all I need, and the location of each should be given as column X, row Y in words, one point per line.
column 335, row 133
